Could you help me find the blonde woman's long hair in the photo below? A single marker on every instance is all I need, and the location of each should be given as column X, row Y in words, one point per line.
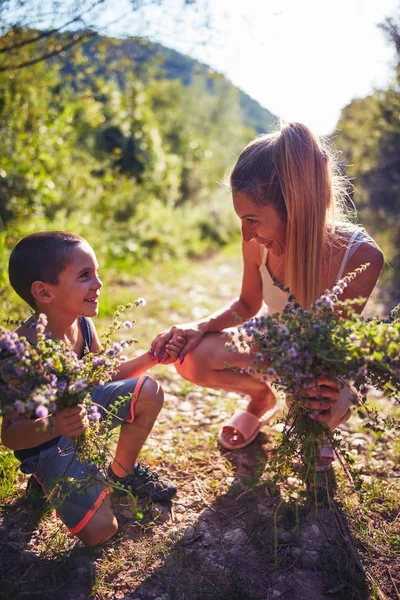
column 295, row 173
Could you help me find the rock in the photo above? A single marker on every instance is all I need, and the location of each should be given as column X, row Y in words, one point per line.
column 315, row 531
column 359, row 443
column 189, row 533
column 208, row 540
column 28, row 555
column 309, row 557
column 235, row 536
column 264, row 511
column 185, row 406
column 285, row 536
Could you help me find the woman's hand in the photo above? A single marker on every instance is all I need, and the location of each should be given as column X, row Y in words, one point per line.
column 319, row 398
column 173, row 350
column 190, row 332
column 72, row 421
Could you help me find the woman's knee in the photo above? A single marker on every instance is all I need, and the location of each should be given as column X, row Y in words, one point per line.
column 209, row 355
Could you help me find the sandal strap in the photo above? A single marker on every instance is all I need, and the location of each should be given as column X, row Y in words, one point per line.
column 244, row 422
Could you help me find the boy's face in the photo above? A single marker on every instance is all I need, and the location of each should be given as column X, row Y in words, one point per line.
column 78, row 287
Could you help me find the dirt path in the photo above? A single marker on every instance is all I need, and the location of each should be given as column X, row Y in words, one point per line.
column 228, row 535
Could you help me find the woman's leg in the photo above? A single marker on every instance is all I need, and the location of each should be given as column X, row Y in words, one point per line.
column 206, row 366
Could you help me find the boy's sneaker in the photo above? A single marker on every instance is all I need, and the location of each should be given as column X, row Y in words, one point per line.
column 145, row 483
column 34, row 494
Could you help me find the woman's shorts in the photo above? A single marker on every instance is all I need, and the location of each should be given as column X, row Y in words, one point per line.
column 74, row 489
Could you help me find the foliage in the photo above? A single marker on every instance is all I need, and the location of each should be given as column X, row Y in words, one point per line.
column 134, row 169
column 33, row 32
column 369, row 138
column 295, row 348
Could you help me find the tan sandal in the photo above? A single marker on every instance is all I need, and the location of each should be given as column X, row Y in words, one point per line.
column 247, row 424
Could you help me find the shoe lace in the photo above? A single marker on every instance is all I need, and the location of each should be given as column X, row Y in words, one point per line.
column 145, row 472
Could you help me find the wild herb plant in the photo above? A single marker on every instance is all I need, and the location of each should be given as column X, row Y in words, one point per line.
column 296, row 347
column 36, row 381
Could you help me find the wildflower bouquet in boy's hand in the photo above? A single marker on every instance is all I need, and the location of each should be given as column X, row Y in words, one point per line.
column 36, row 381
column 296, row 348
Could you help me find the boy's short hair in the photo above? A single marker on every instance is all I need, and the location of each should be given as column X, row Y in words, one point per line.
column 40, row 256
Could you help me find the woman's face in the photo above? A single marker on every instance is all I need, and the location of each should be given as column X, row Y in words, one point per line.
column 260, row 223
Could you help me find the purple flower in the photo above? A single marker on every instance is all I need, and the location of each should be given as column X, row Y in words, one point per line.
column 41, row 411
column 62, row 385
column 19, row 407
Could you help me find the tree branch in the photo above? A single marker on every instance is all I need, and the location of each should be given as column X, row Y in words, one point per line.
column 34, row 61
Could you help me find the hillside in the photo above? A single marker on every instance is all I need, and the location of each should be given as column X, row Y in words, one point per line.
column 174, row 65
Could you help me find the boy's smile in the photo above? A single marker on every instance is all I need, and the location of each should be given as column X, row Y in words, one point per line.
column 78, row 288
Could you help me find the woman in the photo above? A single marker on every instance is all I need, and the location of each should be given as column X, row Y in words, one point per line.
column 289, row 196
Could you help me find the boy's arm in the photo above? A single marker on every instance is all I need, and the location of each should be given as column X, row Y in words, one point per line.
column 138, row 365
column 19, row 433
column 133, row 367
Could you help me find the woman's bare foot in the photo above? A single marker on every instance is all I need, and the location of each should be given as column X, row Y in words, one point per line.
column 258, row 406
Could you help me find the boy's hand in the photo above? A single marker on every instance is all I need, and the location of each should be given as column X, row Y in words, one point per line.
column 173, row 349
column 71, row 422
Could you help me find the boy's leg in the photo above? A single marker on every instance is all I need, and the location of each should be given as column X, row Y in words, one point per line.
column 138, row 416
column 101, row 527
column 77, row 492
column 133, row 435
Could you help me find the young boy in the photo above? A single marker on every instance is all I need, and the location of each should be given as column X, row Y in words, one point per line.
column 56, row 273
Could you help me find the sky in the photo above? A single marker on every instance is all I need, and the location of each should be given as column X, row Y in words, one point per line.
column 304, row 60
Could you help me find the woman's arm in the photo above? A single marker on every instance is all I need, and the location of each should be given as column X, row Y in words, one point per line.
column 360, row 287
column 238, row 311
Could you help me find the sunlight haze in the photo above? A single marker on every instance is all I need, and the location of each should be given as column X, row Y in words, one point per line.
column 302, row 60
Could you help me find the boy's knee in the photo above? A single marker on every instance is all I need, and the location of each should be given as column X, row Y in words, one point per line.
column 98, row 531
column 151, row 392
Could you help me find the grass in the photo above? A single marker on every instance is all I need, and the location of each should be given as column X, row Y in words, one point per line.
column 9, row 474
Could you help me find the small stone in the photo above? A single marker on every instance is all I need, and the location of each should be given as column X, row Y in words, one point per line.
column 189, row 533
column 208, row 540
column 178, row 508
column 186, row 406
column 276, row 593
column 295, row 551
column 285, row 536
column 359, row 443
column 309, row 557
column 315, row 530
column 235, row 536
column 28, row 555
column 264, row 511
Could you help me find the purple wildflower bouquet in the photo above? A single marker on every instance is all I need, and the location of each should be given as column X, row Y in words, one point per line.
column 296, row 347
column 39, row 380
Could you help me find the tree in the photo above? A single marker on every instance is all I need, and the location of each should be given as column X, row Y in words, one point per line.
column 33, row 31
column 369, row 137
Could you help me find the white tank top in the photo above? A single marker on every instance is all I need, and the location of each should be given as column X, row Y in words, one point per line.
column 275, row 298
